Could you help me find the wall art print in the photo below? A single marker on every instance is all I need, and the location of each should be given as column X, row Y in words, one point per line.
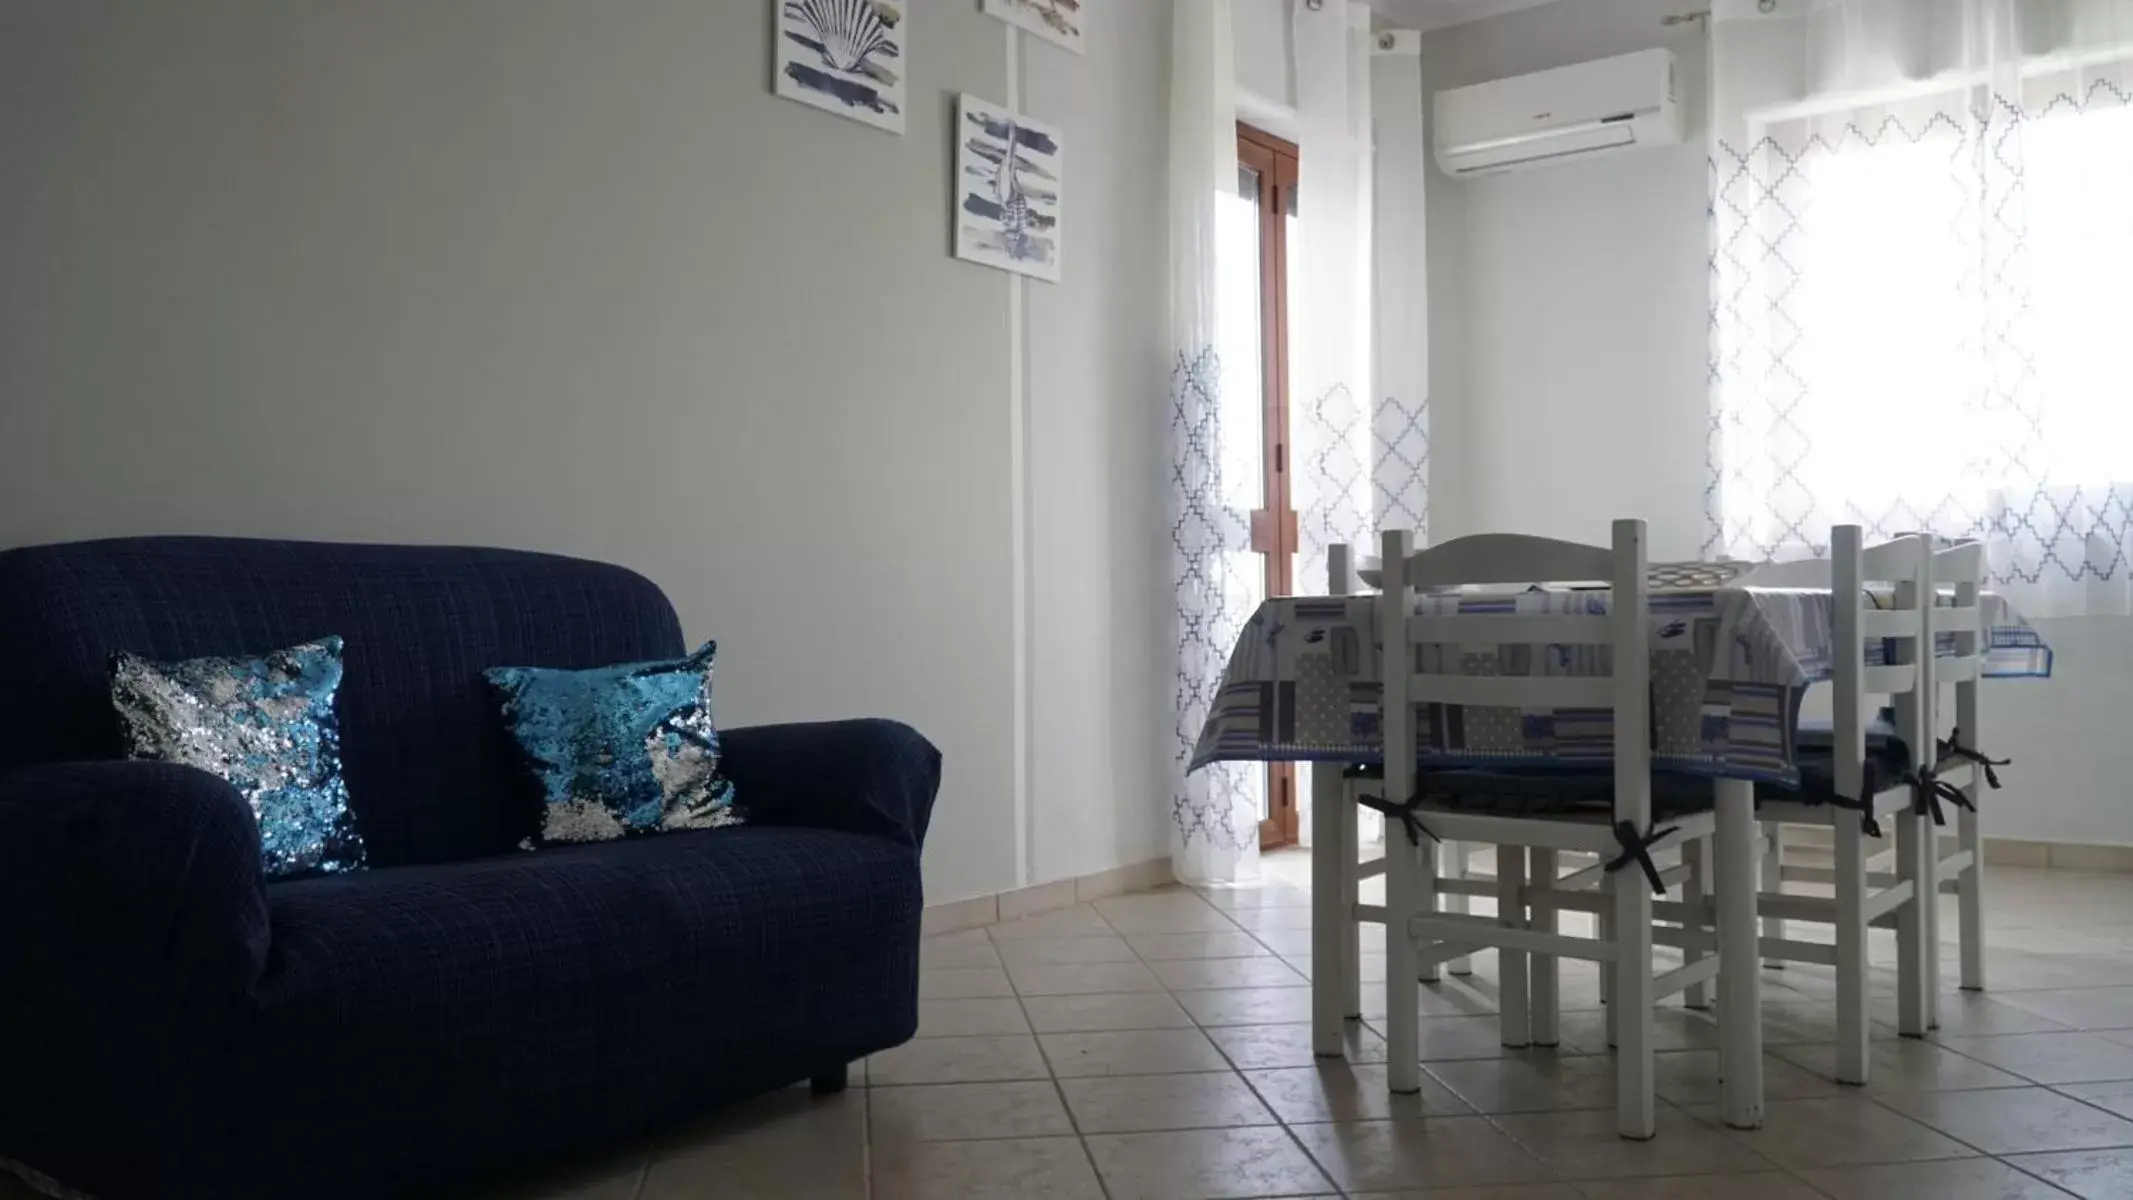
column 843, row 56
column 1007, row 193
column 1056, row 21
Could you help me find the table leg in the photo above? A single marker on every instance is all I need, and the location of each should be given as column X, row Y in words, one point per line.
column 1351, row 852
column 1330, row 861
column 1694, row 890
column 1545, row 996
column 1740, row 983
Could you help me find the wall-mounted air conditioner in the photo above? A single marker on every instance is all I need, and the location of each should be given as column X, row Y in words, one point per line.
column 1557, row 116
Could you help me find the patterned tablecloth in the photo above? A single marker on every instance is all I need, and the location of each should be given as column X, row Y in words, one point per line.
column 1730, row 666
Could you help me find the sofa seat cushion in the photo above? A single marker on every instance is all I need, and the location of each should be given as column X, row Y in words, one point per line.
column 596, row 990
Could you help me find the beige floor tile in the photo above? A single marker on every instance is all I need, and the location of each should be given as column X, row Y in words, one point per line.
column 1204, row 973
column 1447, row 1038
column 1027, row 1169
column 2080, row 1008
column 2050, row 1057
column 1205, row 1164
column 2090, row 1174
column 1968, row 1014
column 1248, row 1006
column 1146, row 1052
column 1672, row 1029
column 2016, row 1120
column 1487, row 1191
column 970, row 948
column 1805, row 1022
column 958, row 1060
column 1081, row 979
column 1587, row 1145
column 1157, row 947
column 950, row 1112
column 2115, row 1097
column 1260, row 920
column 1079, row 921
column 1087, row 1014
column 970, row 1018
column 1389, row 1156
column 785, row 1146
column 1164, row 912
column 1333, row 1091
column 1844, row 1132
column 962, row 983
column 1276, row 895
column 1690, row 1077
column 1056, row 951
column 1145, row 1103
column 1905, row 1065
column 1764, row 1186
column 1951, row 1179
column 1297, row 942
column 1253, row 1047
column 1530, row 1081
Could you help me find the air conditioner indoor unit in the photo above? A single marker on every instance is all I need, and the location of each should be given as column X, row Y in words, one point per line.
column 1570, row 113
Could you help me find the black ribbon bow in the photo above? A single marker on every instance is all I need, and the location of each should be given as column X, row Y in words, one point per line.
column 1865, row 808
column 1637, row 848
column 1928, row 790
column 1954, row 748
column 1403, row 813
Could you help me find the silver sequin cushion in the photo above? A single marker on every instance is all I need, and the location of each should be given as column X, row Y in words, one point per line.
column 267, row 726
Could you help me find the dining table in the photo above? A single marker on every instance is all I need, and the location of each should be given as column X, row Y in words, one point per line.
column 1732, row 662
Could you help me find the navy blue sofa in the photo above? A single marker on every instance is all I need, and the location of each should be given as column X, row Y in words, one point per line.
column 171, row 1026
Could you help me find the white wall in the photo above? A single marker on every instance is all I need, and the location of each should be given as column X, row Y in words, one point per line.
column 1568, row 386
column 531, row 273
column 1265, row 49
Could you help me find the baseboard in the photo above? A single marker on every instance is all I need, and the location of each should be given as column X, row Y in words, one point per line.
column 2004, row 851
column 1044, row 897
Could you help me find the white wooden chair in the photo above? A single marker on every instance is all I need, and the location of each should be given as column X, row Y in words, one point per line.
column 1417, row 930
column 1864, row 899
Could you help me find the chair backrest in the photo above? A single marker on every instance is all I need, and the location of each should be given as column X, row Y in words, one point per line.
column 1858, row 619
column 1505, row 558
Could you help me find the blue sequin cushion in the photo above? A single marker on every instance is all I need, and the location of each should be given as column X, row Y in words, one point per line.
column 267, row 726
column 620, row 750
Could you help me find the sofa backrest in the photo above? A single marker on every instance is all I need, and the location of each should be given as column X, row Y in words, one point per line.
column 431, row 773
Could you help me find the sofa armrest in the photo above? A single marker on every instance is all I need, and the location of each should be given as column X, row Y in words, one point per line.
column 877, row 777
column 129, row 888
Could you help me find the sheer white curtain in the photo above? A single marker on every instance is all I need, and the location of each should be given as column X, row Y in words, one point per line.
column 1214, row 835
column 1330, row 391
column 1922, row 219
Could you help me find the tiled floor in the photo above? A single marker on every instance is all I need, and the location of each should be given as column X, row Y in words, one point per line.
column 1154, row 1046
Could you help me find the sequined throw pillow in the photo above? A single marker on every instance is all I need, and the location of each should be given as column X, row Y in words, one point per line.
column 267, row 726
column 620, row 750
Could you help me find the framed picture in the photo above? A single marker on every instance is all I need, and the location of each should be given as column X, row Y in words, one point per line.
column 1007, row 195
column 843, row 56
column 1056, row 21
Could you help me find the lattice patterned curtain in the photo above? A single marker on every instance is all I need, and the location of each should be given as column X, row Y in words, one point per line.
column 1922, row 235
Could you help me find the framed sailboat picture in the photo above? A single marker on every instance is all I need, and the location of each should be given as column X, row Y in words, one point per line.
column 1056, row 21
column 1008, row 200
column 843, row 56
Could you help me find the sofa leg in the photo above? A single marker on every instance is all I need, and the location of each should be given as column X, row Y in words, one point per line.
column 829, row 1083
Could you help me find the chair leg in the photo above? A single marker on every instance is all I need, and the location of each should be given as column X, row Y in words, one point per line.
column 1545, row 995
column 1636, row 1111
column 1410, row 887
column 1331, row 865
column 1852, row 990
column 1929, row 914
column 1740, row 990
column 1455, row 868
column 1970, row 896
column 1695, row 856
column 1774, row 881
column 1511, row 964
column 1913, row 966
column 1351, row 850
column 1604, row 929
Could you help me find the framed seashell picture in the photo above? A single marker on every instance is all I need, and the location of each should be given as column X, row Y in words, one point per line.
column 1008, row 198
column 843, row 56
column 1056, row 21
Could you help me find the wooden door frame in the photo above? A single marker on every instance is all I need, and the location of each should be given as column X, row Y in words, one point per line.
column 1275, row 532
